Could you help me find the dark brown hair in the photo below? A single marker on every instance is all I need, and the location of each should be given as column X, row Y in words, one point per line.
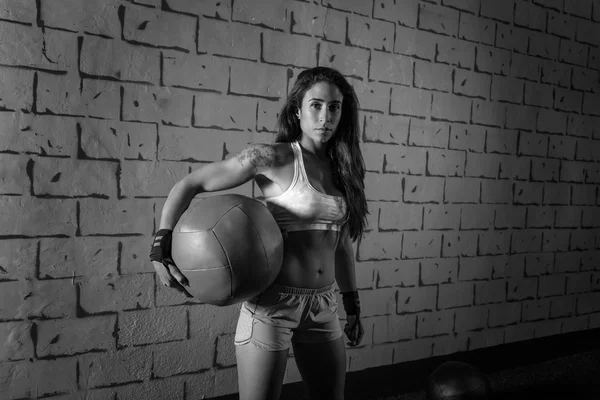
column 343, row 148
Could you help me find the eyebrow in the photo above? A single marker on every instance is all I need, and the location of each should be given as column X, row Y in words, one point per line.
column 316, row 98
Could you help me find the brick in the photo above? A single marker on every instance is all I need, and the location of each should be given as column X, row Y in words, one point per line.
column 224, row 112
column 401, row 273
column 334, row 28
column 584, row 79
column 428, row 134
column 308, row 19
column 563, row 308
column 521, row 289
column 28, row 51
column 587, row 303
column 17, row 89
column 409, row 101
column 441, row 217
column 552, row 122
column 581, row 8
column 438, row 19
column 544, row 46
column 157, row 104
column 562, row 147
column 567, row 261
column 383, row 186
column 551, row 285
column 531, row 16
column 158, row 28
column 525, row 67
column 538, row 94
column 424, row 244
column 490, row 292
column 208, row 321
column 445, row 163
column 400, row 216
column 225, row 351
column 379, row 246
column 449, row 107
column 75, row 336
column 505, row 266
column 488, row 113
column 491, row 60
column 471, row 318
column 594, row 58
column 116, row 293
column 582, row 240
column 97, row 17
column 509, row 216
column 377, row 355
column 194, row 71
column 228, row 39
column 173, row 358
column 494, row 243
column 482, row 165
column 369, row 33
column 114, row 140
column 471, row 84
column 76, row 257
column 585, row 149
column 437, row 271
column 504, row 314
column 436, row 323
column 591, row 218
column 461, row 190
column 591, row 104
column 373, row 96
column 514, row 167
column 391, row 68
column 539, row 264
column 18, row 258
column 510, row 37
column 583, row 195
column 555, row 73
column 462, row 244
column 405, row 160
column 18, row 11
column 60, row 94
column 477, row 29
column 18, row 344
column 544, row 170
column 351, row 61
column 466, row 137
column 533, row 144
column 115, row 367
column 106, row 217
column 279, row 48
column 267, row 80
column 477, row 216
column 152, row 326
column 411, row 300
column 502, row 11
column 507, row 89
column 579, row 125
column 40, row 378
column 568, row 100
column 13, row 175
column 526, row 241
column 475, row 268
column 385, row 129
column 393, row 328
column 433, row 76
column 198, row 144
column 553, row 4
column 414, row 42
column 579, row 283
column 502, row 141
column 160, row 389
column 556, row 194
column 271, row 14
column 455, row 52
column 572, row 171
column 423, row 190
column 50, row 216
column 573, row 52
column 46, row 299
column 531, row 193
column 76, row 178
column 520, row 117
column 404, row 13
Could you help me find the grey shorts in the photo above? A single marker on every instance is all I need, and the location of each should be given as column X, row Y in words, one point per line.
column 282, row 314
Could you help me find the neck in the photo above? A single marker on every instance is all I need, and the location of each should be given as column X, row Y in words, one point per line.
column 316, row 149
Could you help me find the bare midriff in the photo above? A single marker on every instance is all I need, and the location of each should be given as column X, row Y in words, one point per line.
column 308, row 259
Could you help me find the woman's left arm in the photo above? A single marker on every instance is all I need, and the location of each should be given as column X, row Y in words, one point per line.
column 346, row 279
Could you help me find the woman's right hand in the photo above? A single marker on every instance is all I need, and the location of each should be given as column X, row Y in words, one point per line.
column 165, row 268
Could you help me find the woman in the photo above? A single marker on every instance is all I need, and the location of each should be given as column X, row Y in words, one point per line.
column 312, row 179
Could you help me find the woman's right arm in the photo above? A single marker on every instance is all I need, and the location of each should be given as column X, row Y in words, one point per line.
column 221, row 175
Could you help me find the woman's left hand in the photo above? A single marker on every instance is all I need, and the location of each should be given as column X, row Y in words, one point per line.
column 354, row 330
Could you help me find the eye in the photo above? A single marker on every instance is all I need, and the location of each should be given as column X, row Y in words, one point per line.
column 334, row 107
column 316, row 105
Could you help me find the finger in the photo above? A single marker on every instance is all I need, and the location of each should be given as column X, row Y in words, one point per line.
column 178, row 275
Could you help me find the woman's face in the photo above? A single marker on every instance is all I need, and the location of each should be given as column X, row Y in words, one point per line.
column 320, row 111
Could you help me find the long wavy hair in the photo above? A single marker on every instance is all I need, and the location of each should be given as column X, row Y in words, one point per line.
column 342, row 149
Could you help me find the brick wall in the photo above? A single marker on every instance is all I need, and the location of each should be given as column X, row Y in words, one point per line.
column 481, row 139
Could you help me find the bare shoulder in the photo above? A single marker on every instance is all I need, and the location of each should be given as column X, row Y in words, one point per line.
column 264, row 156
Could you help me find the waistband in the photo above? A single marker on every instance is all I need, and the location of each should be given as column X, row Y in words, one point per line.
column 300, row 291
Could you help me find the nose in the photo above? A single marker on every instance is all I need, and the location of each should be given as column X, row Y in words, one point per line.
column 325, row 115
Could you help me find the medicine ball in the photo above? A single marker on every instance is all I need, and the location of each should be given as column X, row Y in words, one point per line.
column 455, row 380
column 229, row 247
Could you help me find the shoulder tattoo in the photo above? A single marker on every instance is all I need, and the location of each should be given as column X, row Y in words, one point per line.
column 260, row 155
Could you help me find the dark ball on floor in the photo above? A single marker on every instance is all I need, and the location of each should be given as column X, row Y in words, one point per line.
column 456, row 380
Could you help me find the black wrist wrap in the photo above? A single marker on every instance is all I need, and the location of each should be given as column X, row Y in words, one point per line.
column 351, row 303
column 161, row 246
